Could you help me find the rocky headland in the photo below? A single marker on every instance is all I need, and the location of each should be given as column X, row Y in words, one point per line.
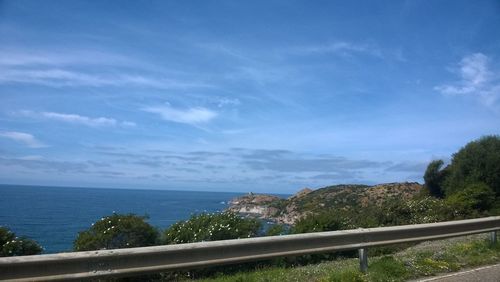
column 307, row 201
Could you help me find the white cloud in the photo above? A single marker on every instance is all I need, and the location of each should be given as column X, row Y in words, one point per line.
column 78, row 119
column 228, row 102
column 21, row 137
column 476, row 78
column 192, row 116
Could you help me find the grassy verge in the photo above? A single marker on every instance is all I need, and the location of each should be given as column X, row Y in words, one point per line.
column 426, row 259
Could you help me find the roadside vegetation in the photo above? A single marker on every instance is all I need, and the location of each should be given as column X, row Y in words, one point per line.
column 11, row 245
column 425, row 259
column 468, row 187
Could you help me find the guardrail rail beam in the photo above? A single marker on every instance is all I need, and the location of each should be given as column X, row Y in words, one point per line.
column 133, row 261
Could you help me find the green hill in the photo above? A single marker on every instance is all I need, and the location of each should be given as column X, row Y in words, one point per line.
column 308, row 201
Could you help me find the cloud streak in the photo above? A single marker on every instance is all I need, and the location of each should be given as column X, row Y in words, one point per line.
column 342, row 48
column 476, row 78
column 57, row 77
column 82, row 68
column 24, row 138
column 78, row 119
column 191, row 116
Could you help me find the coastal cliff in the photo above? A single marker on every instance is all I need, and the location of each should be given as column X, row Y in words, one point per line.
column 308, row 201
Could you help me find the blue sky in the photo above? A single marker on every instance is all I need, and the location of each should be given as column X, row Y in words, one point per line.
column 263, row 96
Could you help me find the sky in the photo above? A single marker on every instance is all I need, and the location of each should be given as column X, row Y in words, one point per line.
column 262, row 96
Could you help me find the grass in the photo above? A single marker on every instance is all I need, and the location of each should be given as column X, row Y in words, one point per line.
column 425, row 259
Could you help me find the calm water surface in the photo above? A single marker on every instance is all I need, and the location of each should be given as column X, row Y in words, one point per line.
column 53, row 216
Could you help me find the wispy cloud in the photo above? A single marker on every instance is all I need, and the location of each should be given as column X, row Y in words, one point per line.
column 56, row 77
column 78, row 119
column 24, row 138
column 61, row 58
column 82, row 68
column 342, row 48
column 191, row 116
column 476, row 78
column 46, row 165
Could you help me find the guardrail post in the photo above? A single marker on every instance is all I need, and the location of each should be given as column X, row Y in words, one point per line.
column 493, row 237
column 363, row 260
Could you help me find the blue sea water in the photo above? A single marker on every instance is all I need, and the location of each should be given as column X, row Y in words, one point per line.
column 53, row 216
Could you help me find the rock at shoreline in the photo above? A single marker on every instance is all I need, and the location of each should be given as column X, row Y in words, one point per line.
column 258, row 205
column 307, row 201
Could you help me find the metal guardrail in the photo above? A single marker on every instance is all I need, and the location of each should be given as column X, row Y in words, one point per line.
column 133, row 261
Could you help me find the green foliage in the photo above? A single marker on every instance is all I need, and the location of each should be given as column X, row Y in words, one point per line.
column 477, row 162
column 10, row 245
column 472, row 200
column 211, row 227
column 434, row 177
column 346, row 275
column 414, row 211
column 410, row 264
column 387, row 268
column 277, row 229
column 325, row 221
column 117, row 231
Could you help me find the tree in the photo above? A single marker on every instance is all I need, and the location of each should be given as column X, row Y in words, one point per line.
column 10, row 245
column 477, row 162
column 117, row 231
column 434, row 177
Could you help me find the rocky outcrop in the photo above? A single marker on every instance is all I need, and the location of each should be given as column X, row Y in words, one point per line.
column 307, row 201
column 258, row 205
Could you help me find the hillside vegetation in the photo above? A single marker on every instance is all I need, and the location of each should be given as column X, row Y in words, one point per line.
column 307, row 202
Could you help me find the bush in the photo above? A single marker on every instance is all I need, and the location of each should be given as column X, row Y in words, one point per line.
column 117, row 231
column 277, row 229
column 211, row 227
column 325, row 221
column 472, row 200
column 415, row 211
column 477, row 162
column 10, row 245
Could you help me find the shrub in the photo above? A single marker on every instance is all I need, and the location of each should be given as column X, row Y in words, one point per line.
column 478, row 161
column 415, row 211
column 211, row 227
column 277, row 229
column 10, row 245
column 472, row 200
column 117, row 231
column 325, row 221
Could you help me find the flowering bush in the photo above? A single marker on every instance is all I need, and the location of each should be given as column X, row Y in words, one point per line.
column 211, row 227
column 117, row 231
column 10, row 245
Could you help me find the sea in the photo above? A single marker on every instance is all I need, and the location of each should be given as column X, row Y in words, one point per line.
column 53, row 216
